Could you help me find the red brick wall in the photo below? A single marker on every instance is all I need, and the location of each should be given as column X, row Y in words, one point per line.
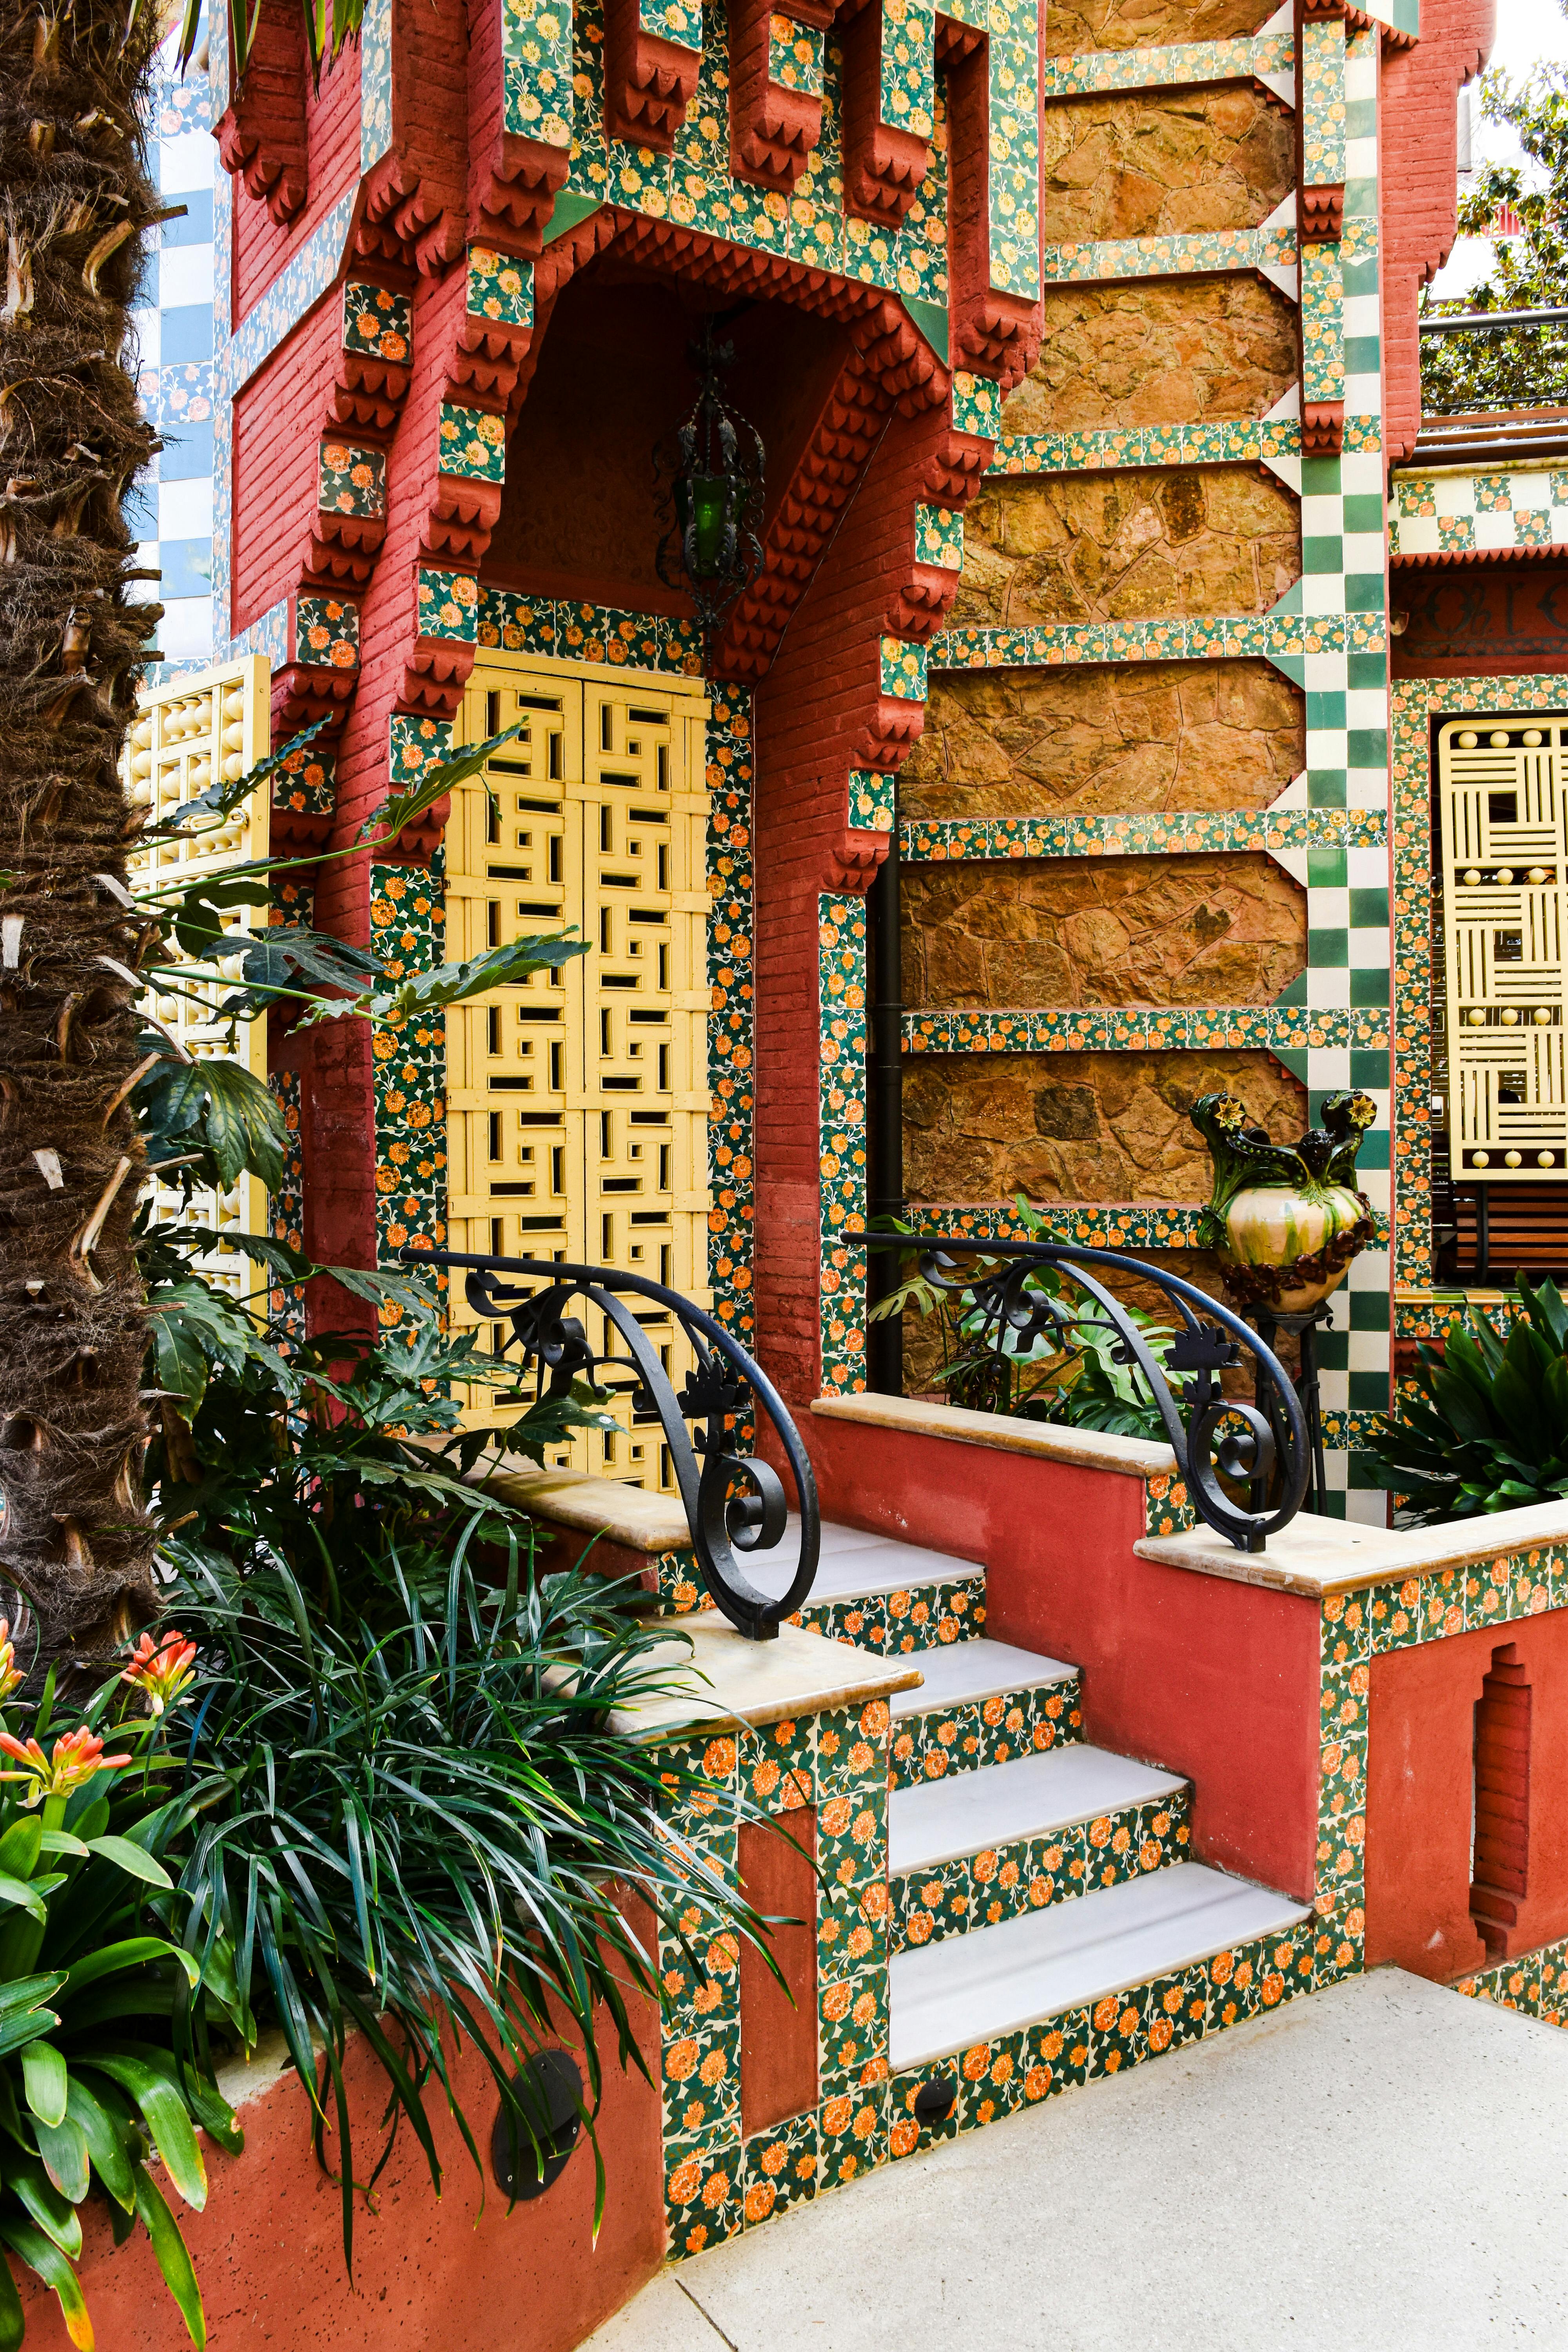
column 811, row 708
column 261, row 249
column 1420, row 134
column 277, row 421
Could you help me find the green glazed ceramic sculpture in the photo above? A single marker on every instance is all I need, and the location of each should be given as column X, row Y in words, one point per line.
column 1284, row 1219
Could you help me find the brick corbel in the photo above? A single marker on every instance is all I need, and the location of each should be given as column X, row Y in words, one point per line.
column 850, row 863
column 883, row 164
column 1322, row 428
column 1321, row 214
column 414, row 203
column 649, row 82
column 772, row 129
column 261, row 137
column 994, row 330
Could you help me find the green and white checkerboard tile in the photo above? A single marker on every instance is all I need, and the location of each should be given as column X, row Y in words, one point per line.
column 1461, row 512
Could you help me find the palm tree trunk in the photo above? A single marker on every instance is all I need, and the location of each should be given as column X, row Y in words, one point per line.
column 75, row 201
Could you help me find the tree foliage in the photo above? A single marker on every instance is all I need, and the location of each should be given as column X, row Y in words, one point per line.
column 1511, row 367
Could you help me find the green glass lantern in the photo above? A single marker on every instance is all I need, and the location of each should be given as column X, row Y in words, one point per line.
column 710, row 475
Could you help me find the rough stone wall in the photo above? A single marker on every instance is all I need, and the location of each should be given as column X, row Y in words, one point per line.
column 1077, row 1127
column 1154, row 736
column 1203, row 351
column 1102, row 930
column 1075, row 24
column 1129, row 546
column 1220, row 158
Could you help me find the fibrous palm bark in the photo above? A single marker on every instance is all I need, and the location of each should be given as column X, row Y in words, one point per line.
column 75, row 201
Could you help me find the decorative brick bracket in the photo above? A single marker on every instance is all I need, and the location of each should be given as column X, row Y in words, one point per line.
column 261, row 137
column 1321, row 215
column 650, row 81
column 774, row 126
column 1322, row 428
column 884, row 163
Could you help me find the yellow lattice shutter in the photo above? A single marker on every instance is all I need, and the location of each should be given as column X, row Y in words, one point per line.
column 578, row 1104
column 1504, row 870
column 206, row 724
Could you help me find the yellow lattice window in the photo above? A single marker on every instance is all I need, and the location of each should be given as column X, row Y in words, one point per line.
column 1503, row 788
column 207, row 724
column 578, row 1103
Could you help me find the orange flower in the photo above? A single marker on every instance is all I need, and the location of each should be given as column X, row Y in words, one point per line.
column 835, row 2116
column 1037, row 2083
column 1105, row 2014
column 11, row 1672
column 1161, row 2033
column 681, row 2059
column 684, row 2182
column 759, row 2200
column 904, row 2137
column 774, row 2158
column 161, row 1672
column 73, row 1761
column 713, row 2069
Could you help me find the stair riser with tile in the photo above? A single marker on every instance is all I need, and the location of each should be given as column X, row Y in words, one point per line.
column 994, row 2079
column 1005, row 1882
column 902, row 1623
column 928, row 1745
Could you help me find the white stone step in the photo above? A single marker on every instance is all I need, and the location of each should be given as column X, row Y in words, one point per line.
column 852, row 1564
column 963, row 1990
column 978, row 1669
column 971, row 1812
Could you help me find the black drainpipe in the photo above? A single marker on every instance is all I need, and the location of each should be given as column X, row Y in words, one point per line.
column 885, row 1105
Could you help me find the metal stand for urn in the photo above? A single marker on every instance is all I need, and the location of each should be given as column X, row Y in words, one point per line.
column 1303, row 1325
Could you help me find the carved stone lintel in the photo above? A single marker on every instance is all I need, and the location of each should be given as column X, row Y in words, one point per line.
column 1322, row 213
column 1322, row 428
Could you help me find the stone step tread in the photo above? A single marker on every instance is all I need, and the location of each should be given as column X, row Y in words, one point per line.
column 966, row 1671
column 964, row 1989
column 948, row 1820
column 854, row 1565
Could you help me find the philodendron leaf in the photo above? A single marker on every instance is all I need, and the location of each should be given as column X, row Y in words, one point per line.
column 45, row 2080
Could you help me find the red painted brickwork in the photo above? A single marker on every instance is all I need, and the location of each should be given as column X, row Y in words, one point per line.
column 261, row 248
column 1420, row 133
column 278, row 422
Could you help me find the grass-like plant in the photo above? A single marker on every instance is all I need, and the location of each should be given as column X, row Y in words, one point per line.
column 1487, row 1427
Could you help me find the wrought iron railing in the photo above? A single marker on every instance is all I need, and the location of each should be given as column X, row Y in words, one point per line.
column 1226, row 1447
column 735, row 1503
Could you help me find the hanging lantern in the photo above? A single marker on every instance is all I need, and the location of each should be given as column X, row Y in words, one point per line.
column 710, row 473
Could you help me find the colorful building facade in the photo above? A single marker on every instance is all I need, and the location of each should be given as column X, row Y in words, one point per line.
column 1081, row 344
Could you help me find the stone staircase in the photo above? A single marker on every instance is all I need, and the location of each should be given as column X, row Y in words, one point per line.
column 1046, row 1920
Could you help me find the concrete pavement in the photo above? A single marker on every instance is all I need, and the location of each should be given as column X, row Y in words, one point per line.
column 1383, row 2166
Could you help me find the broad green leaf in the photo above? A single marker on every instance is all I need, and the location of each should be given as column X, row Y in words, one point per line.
column 110, row 1959
column 26, row 1992
column 13, row 2322
column 62, row 1842
column 42, row 2255
column 173, row 2260
column 105, row 2142
column 55, row 2214
column 385, row 822
column 132, row 1859
column 20, row 1846
column 167, row 2119
column 45, row 2080
column 23, row 2027
column 64, row 2150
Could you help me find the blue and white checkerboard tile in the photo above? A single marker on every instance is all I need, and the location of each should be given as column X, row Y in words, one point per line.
column 172, row 503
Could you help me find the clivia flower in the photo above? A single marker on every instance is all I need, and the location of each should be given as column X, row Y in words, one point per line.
column 76, row 1758
column 11, row 1674
column 162, row 1671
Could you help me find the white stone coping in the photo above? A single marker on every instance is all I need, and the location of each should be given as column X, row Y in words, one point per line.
column 724, row 1679
column 1083, row 1449
column 1318, row 1555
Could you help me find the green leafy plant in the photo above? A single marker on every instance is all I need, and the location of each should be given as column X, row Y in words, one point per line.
column 417, row 1822
column 105, row 2016
column 1487, row 1427
column 1071, row 1376
column 1523, row 366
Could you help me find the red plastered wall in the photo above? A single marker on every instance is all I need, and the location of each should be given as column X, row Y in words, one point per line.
column 1197, row 1674
column 1419, row 142
column 261, row 248
column 1420, row 1747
